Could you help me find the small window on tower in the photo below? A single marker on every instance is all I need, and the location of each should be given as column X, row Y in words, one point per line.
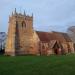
column 23, row 24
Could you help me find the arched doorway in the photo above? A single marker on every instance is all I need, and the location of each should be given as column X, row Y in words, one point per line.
column 57, row 49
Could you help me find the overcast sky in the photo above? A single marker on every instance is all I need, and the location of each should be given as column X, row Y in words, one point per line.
column 49, row 15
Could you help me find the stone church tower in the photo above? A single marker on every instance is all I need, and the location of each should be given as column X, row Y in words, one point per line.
column 21, row 36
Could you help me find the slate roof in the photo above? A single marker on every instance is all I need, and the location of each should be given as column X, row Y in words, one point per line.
column 62, row 37
column 49, row 36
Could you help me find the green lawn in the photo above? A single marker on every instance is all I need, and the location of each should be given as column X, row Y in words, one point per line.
column 37, row 65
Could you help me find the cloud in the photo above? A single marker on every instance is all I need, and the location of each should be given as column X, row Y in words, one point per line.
column 4, row 3
column 48, row 14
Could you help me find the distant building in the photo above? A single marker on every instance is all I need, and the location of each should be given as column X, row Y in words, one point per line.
column 22, row 39
column 2, row 40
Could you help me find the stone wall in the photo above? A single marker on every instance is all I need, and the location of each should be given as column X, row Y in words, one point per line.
column 10, row 42
column 21, row 37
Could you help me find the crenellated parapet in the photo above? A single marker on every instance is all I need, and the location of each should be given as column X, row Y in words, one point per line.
column 16, row 15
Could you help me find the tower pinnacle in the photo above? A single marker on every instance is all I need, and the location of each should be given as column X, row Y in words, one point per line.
column 24, row 13
column 15, row 11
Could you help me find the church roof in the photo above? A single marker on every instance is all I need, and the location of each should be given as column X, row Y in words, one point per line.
column 62, row 37
column 44, row 36
column 49, row 36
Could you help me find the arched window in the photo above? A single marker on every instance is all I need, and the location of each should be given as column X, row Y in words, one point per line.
column 23, row 24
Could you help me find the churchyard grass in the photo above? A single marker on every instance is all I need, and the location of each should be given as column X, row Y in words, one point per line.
column 38, row 65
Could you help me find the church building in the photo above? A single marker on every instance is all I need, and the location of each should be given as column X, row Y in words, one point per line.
column 22, row 39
